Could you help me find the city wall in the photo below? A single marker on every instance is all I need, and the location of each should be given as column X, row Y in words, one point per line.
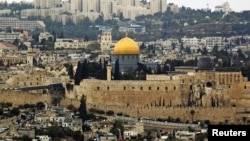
column 21, row 97
column 214, row 115
column 163, row 99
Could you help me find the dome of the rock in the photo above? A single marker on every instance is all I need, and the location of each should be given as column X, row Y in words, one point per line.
column 126, row 46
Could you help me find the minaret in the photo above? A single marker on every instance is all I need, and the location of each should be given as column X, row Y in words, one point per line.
column 108, row 72
column 30, row 56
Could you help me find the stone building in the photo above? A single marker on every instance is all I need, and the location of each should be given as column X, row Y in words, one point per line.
column 106, row 41
column 126, row 52
column 214, row 96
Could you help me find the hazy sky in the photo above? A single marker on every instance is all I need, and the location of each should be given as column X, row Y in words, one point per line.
column 236, row 5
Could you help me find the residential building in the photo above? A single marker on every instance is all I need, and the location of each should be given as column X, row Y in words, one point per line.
column 40, row 4
column 5, row 11
column 42, row 138
column 76, row 6
column 212, row 41
column 70, row 43
column 6, row 22
column 190, row 41
column 45, row 36
column 158, row 6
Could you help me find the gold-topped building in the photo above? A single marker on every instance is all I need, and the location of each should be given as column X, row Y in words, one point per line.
column 126, row 46
column 127, row 52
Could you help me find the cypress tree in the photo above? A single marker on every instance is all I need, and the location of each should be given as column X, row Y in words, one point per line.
column 70, row 71
column 117, row 70
column 78, row 74
column 85, row 72
column 83, row 109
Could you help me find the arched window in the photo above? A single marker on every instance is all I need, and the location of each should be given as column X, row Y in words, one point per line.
column 209, row 84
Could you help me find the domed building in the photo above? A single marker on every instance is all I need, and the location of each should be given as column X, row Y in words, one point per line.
column 205, row 63
column 126, row 51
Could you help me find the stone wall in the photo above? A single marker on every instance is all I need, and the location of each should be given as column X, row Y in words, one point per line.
column 215, row 96
column 214, row 115
column 20, row 97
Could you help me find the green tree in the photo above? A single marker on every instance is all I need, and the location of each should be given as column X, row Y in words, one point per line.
column 117, row 74
column 117, row 128
column 26, row 138
column 99, row 20
column 14, row 111
column 83, row 109
column 79, row 72
column 56, row 100
column 70, row 71
column 40, row 105
column 159, row 71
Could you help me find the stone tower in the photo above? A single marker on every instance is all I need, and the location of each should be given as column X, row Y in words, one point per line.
column 30, row 56
column 109, row 72
column 106, row 41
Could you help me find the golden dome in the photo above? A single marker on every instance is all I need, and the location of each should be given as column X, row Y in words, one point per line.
column 126, row 46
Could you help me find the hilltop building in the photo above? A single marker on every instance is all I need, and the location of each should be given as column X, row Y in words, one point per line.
column 225, row 7
column 126, row 52
column 46, row 3
column 6, row 22
column 214, row 96
column 77, row 10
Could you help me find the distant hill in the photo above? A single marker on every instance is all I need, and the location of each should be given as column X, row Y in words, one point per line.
column 208, row 29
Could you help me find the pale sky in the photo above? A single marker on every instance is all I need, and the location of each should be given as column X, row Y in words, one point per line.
column 236, row 5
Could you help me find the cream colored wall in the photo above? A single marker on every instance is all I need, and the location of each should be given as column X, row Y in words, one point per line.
column 153, row 97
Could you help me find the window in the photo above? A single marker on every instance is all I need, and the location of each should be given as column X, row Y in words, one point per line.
column 158, row 88
column 107, row 88
column 124, row 88
column 166, row 88
column 149, row 88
